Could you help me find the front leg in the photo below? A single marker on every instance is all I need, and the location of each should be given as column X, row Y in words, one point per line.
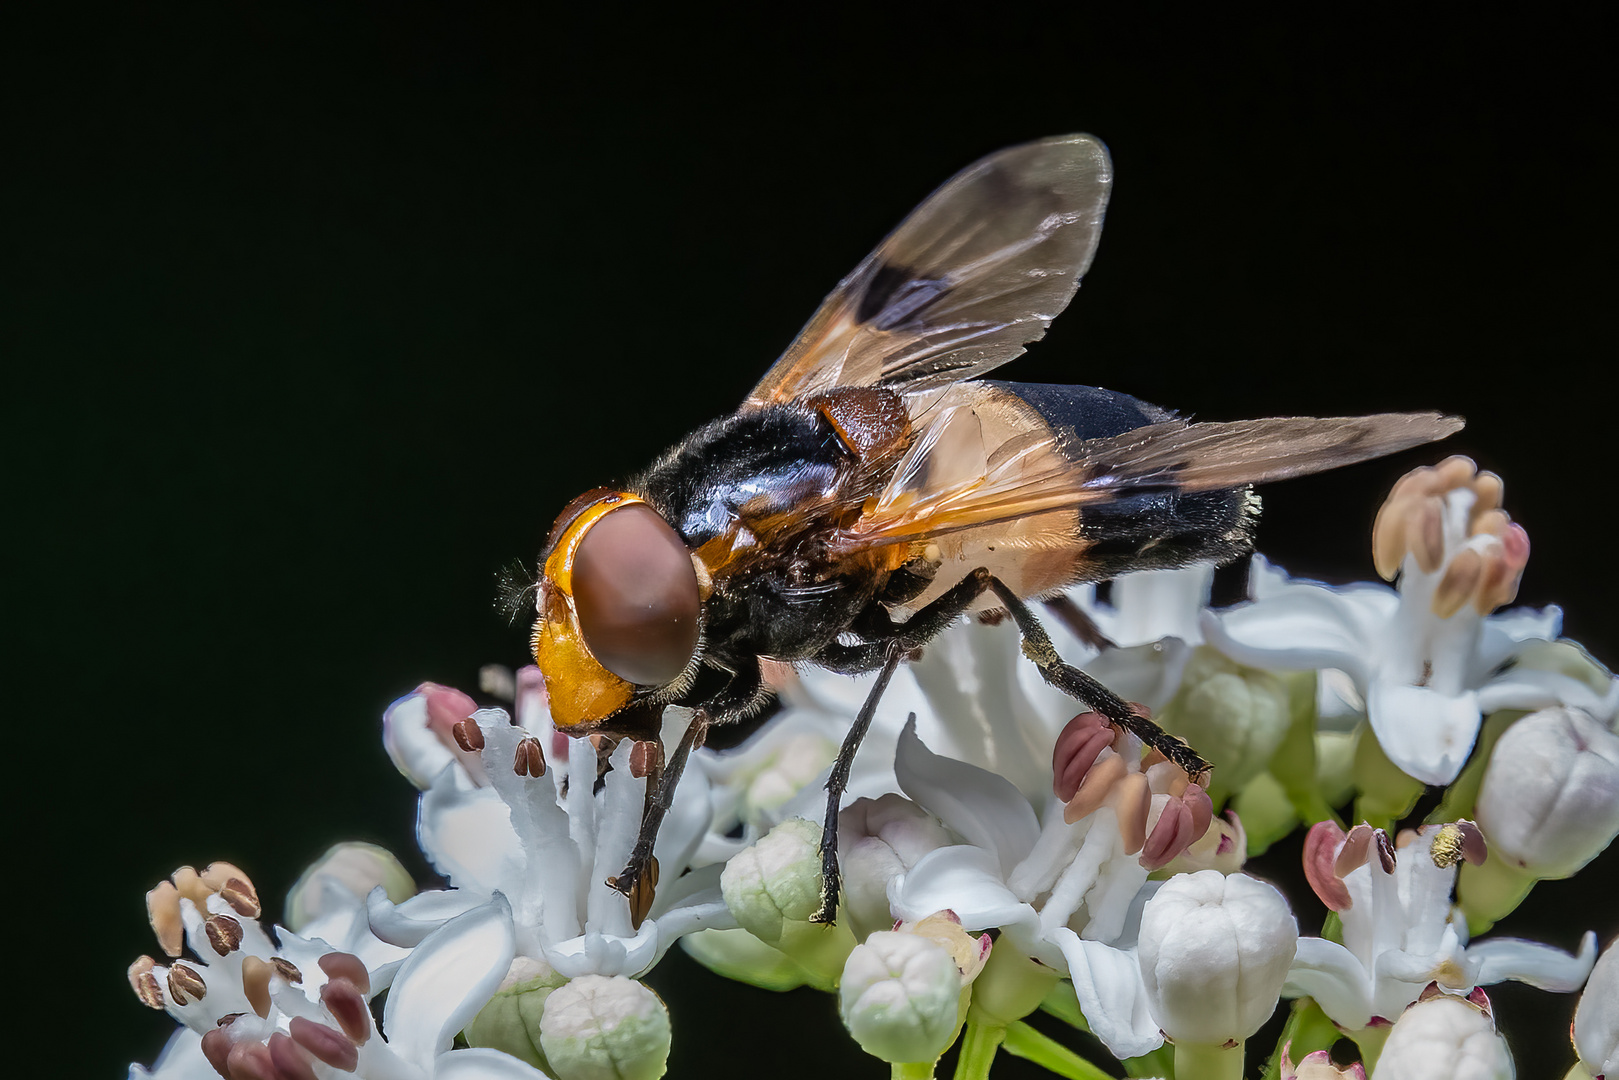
column 739, row 699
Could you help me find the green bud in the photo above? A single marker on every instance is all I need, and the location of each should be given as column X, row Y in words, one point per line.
column 1266, row 811
column 902, row 997
column 510, row 1022
column 774, row 886
column 1236, row 716
column 597, row 1027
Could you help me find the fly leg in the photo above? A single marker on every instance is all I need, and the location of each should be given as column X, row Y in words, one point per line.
column 639, row 878
column 839, row 781
column 1075, row 683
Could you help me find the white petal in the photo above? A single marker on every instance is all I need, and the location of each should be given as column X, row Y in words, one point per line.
column 448, row 978
column 483, row 1064
column 1153, row 604
column 606, row 954
column 411, row 744
column 466, row 833
column 1303, row 628
column 963, row 879
column 181, row 1059
column 982, row 807
column 1111, row 993
column 1331, row 974
column 1428, row 735
column 408, row 924
column 1542, row 966
column 1505, row 631
column 1528, row 689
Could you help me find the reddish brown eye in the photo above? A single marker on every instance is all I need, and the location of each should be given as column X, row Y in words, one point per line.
column 635, row 590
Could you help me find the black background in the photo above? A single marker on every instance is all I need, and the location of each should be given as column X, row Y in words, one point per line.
column 315, row 315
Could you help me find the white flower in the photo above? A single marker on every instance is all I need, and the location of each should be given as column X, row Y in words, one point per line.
column 262, row 1009
column 1068, row 895
column 1444, row 1038
column 1549, row 801
column 600, row 1028
column 1425, row 659
column 1400, row 933
column 539, row 832
column 1214, row 953
column 1596, row 1020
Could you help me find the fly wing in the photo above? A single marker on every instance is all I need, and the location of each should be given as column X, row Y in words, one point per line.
column 973, row 275
column 969, row 468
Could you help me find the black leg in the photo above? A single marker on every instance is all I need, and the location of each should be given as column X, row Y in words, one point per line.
column 639, row 878
column 739, row 699
column 1074, row 682
column 921, row 628
column 1079, row 624
column 839, row 781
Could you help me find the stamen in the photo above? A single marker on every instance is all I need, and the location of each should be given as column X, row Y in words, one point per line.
column 192, row 887
column 1357, row 848
column 1132, row 805
column 1461, row 579
column 1323, row 852
column 329, row 1046
column 185, row 984
column 291, row 1061
column 530, row 759
column 1425, row 534
column 1078, row 745
column 250, row 1060
column 144, row 983
column 1385, row 852
column 163, row 912
column 1169, row 837
column 216, row 1046
column 342, row 965
column 256, row 985
column 646, row 758
column 468, row 736
column 224, row 933
column 233, row 887
column 1095, row 788
column 286, row 969
column 1458, row 841
column 342, row 999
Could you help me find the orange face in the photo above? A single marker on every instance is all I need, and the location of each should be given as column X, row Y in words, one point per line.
column 619, row 607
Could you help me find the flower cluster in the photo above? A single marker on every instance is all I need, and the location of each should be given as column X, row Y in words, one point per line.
column 1000, row 855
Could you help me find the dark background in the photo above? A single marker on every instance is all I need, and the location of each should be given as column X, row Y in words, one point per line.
column 315, row 315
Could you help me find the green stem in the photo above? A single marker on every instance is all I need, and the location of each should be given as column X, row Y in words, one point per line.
column 1025, row 1042
column 913, row 1070
column 978, row 1046
column 1203, row 1061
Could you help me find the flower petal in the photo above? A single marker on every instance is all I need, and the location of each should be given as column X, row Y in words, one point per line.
column 1112, row 994
column 466, row 833
column 1428, row 735
column 448, row 978
column 1542, row 966
column 982, row 807
column 409, row 923
column 1333, row 976
column 483, row 1064
column 960, row 878
column 1300, row 628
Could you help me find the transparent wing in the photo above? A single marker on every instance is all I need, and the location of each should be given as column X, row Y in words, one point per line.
column 973, row 275
column 970, row 467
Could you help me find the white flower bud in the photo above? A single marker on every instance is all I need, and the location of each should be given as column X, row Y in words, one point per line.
column 1596, row 1021
column 601, row 1028
column 344, row 876
column 1549, row 801
column 879, row 839
column 1214, row 953
column 901, row 997
column 1444, row 1038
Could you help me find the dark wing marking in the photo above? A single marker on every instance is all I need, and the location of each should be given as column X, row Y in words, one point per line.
column 958, row 476
column 973, row 275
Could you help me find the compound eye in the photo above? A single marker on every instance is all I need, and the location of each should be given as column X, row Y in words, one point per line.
column 635, row 590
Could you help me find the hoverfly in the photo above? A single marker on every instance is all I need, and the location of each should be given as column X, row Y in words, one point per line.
column 871, row 490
